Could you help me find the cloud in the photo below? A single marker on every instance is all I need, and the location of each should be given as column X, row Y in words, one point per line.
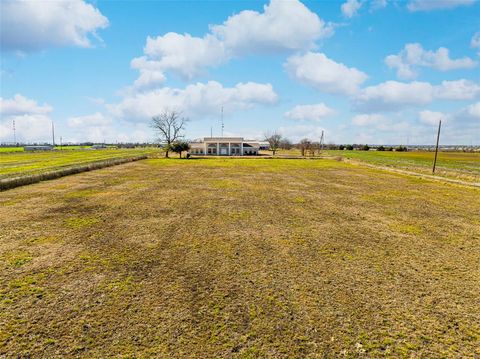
column 315, row 112
column 394, row 95
column 457, row 126
column 98, row 127
column 20, row 105
column 428, row 5
column 413, row 55
column 379, row 122
column 317, row 70
column 378, row 4
column 457, row 90
column 32, row 121
column 475, row 42
column 183, row 54
column 35, row 25
column 368, row 119
column 283, row 26
column 299, row 132
column 151, row 73
column 431, row 117
column 96, row 119
column 473, row 111
column 196, row 100
column 350, row 8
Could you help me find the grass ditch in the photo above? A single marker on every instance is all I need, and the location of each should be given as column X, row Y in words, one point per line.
column 10, row 183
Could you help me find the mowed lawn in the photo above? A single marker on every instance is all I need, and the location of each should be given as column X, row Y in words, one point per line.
column 14, row 164
column 456, row 165
column 211, row 258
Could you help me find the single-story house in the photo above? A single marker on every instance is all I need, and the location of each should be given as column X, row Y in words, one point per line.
column 224, row 146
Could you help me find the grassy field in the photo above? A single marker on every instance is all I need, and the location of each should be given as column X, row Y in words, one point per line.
column 465, row 166
column 13, row 164
column 247, row 258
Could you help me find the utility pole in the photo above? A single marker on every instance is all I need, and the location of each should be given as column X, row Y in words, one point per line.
column 14, row 134
column 53, row 134
column 60, row 142
column 436, row 147
column 223, row 126
column 322, row 139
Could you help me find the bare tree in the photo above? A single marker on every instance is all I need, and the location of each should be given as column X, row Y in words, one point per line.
column 304, row 146
column 169, row 126
column 286, row 144
column 315, row 147
column 274, row 140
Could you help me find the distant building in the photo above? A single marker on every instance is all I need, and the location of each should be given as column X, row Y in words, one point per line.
column 224, row 146
column 98, row 147
column 38, row 148
column 264, row 145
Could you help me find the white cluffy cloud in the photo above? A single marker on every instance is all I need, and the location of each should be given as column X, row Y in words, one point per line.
column 196, row 100
column 317, row 70
column 151, row 73
column 368, row 119
column 431, row 117
column 99, row 127
column 282, row 26
column 350, row 8
column 35, row 25
column 315, row 112
column 394, row 95
column 413, row 55
column 96, row 119
column 301, row 131
column 427, row 5
column 185, row 55
column 473, row 111
column 32, row 121
column 20, row 105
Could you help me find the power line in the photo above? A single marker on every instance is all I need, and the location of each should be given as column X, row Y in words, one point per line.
column 436, row 147
column 53, row 134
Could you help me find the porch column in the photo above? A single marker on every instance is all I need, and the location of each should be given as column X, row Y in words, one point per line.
column 241, row 148
column 218, row 148
column 205, row 145
column 229, row 150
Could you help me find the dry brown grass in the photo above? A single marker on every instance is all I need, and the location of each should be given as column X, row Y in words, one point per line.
column 240, row 258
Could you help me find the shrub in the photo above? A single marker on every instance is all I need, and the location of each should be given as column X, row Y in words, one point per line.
column 380, row 148
column 365, row 148
column 179, row 147
column 349, row 147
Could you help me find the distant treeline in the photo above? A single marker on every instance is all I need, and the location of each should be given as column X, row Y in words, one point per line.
column 81, row 144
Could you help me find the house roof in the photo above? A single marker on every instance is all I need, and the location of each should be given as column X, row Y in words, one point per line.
column 223, row 139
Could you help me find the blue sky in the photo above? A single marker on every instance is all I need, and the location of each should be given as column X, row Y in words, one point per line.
column 377, row 72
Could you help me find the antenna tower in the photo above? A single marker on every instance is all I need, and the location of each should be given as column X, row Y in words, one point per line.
column 223, row 125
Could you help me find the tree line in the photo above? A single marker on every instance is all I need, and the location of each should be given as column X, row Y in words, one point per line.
column 170, row 126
